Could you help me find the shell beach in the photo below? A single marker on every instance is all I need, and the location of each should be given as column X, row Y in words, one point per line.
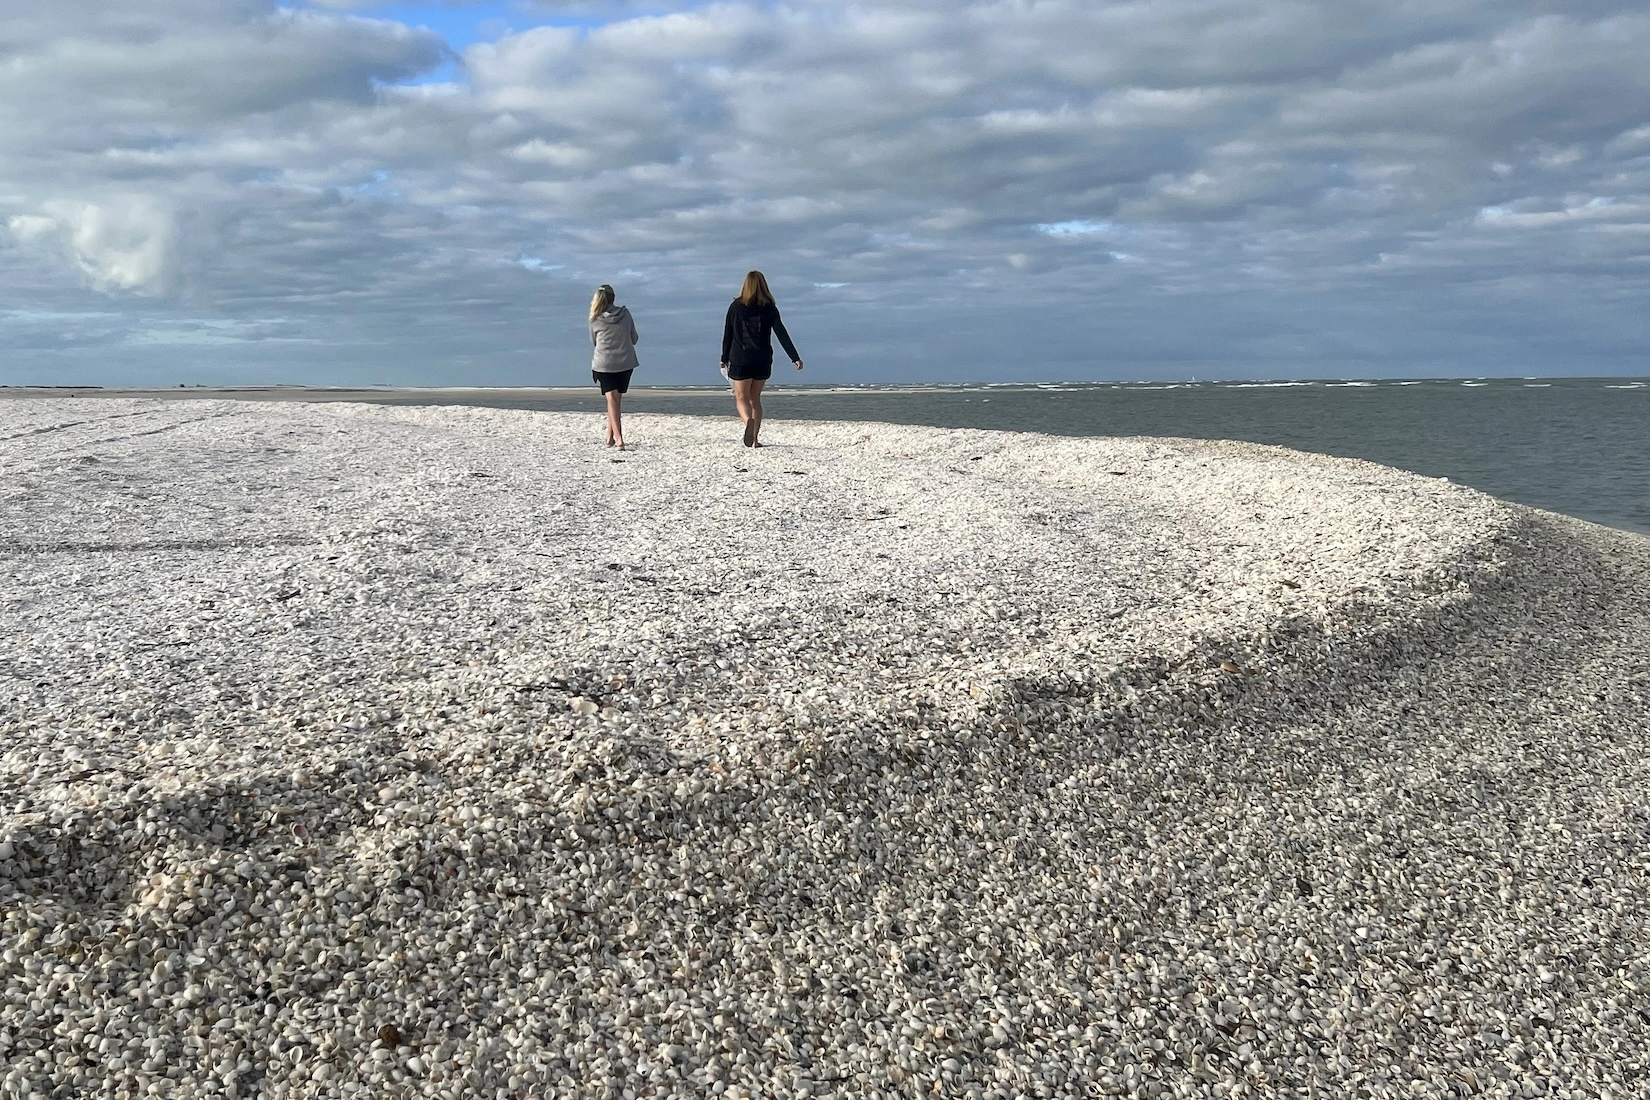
column 352, row 751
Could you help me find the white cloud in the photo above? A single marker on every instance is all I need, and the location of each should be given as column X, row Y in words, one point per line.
column 31, row 227
column 1386, row 157
column 123, row 244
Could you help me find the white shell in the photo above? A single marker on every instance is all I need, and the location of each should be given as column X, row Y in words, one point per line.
column 908, row 774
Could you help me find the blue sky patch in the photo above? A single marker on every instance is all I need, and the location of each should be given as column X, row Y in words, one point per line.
column 464, row 25
column 1076, row 228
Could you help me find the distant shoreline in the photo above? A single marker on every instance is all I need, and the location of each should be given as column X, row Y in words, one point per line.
column 377, row 394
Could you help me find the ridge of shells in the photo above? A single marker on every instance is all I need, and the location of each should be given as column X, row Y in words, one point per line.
column 365, row 751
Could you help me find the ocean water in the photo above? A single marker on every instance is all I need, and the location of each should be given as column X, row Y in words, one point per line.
column 1577, row 446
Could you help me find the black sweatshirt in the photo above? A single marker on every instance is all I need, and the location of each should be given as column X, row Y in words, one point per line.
column 746, row 335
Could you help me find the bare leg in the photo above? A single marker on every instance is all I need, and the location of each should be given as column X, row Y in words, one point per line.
column 615, row 428
column 742, row 402
column 755, row 403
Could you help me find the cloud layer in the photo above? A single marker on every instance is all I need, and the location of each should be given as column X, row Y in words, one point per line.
column 223, row 190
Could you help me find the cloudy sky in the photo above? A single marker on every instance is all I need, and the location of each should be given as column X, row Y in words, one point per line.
column 329, row 191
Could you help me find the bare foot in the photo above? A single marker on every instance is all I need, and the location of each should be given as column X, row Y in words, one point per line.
column 621, row 444
column 750, row 433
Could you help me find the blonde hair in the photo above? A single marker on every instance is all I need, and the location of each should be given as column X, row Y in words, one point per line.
column 604, row 298
column 755, row 292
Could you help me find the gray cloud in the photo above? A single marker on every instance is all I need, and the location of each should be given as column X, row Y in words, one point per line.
column 1060, row 189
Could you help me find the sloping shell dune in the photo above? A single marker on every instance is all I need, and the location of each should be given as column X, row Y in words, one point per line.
column 361, row 751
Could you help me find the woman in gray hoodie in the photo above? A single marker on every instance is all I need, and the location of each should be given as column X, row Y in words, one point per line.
column 613, row 334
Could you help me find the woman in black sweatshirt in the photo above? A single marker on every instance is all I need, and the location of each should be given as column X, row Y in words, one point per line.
column 747, row 349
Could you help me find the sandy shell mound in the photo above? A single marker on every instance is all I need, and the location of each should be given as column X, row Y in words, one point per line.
column 365, row 752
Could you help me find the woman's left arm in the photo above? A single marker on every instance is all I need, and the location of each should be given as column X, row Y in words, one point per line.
column 785, row 338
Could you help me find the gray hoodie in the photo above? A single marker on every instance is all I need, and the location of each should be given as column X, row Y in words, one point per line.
column 614, row 335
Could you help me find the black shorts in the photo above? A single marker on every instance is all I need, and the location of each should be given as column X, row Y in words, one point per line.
column 741, row 372
column 611, row 380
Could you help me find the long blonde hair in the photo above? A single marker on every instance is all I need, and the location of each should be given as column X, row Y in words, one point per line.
column 604, row 298
column 755, row 292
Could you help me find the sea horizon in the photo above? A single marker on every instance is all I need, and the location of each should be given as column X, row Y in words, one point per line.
column 1609, row 381
column 1573, row 445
